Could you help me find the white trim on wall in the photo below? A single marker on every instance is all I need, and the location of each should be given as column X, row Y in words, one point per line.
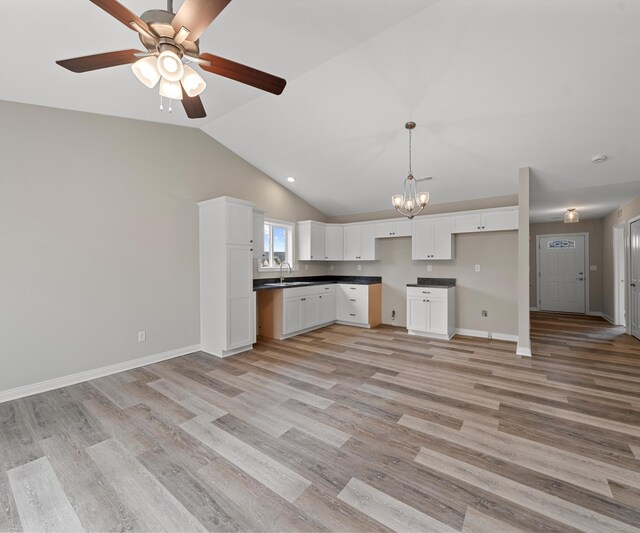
column 87, row 375
column 587, row 265
column 485, row 334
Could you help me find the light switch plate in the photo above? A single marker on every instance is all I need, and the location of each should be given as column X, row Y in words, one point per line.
column 359, row 267
column 593, row 267
column 477, row 268
column 429, row 268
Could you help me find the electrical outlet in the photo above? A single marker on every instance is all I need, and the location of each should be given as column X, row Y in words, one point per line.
column 359, row 267
column 485, row 313
column 429, row 268
column 142, row 336
column 477, row 268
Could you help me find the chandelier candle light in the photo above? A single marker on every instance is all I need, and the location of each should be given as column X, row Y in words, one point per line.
column 411, row 202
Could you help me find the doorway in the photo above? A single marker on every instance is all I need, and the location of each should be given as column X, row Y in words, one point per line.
column 634, row 275
column 619, row 276
column 563, row 283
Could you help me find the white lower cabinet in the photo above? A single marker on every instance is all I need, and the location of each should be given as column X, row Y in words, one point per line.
column 326, row 307
column 431, row 311
column 286, row 312
column 307, row 307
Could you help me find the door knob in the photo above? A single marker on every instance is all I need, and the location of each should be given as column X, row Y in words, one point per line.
column 580, row 279
column 633, row 284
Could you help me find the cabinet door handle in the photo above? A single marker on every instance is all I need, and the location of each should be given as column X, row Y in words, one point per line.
column 352, row 288
column 352, row 299
column 303, row 299
column 251, row 241
column 321, row 297
column 426, row 292
column 479, row 227
column 352, row 314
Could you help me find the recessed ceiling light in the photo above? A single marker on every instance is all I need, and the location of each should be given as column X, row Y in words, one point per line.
column 598, row 159
column 291, row 179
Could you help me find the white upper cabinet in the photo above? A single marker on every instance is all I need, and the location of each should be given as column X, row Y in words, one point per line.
column 502, row 219
column 360, row 242
column 239, row 223
column 334, row 242
column 311, row 241
column 432, row 238
column 393, row 228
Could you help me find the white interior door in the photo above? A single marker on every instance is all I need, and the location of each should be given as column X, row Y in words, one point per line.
column 634, row 292
column 562, row 275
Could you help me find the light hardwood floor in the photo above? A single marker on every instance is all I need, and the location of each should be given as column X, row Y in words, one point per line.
column 341, row 429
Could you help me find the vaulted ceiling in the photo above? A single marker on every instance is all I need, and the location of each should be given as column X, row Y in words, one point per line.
column 493, row 85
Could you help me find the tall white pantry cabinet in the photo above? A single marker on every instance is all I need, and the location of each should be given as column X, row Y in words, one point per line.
column 227, row 299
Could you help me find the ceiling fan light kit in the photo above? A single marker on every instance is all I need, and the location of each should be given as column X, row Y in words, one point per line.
column 411, row 202
column 171, row 40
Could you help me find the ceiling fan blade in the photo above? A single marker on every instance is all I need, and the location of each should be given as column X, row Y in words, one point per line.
column 243, row 74
column 193, row 106
column 424, row 179
column 118, row 11
column 98, row 61
column 196, row 15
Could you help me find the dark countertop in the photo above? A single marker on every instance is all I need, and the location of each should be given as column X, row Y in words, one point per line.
column 434, row 283
column 259, row 284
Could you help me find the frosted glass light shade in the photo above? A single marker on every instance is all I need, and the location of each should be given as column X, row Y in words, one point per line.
column 192, row 82
column 170, row 66
column 423, row 198
column 146, row 71
column 170, row 89
column 571, row 216
column 397, row 200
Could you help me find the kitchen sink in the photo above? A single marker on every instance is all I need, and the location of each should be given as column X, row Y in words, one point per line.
column 287, row 284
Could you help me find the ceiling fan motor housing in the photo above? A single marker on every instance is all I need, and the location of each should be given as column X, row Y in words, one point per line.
column 159, row 21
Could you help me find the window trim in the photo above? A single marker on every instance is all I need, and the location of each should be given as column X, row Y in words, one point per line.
column 291, row 226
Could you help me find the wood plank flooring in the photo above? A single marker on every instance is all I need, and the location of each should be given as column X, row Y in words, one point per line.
column 341, row 429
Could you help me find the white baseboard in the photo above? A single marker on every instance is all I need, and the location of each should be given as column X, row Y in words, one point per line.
column 72, row 379
column 525, row 352
column 608, row 318
column 485, row 334
column 534, row 309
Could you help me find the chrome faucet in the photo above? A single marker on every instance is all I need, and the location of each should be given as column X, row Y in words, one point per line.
column 281, row 274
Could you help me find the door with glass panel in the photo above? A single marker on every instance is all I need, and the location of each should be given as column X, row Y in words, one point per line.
column 562, row 273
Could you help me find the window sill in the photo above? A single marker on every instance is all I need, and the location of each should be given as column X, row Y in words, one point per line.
column 276, row 269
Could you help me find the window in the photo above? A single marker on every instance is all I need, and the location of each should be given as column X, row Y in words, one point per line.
column 561, row 243
column 278, row 244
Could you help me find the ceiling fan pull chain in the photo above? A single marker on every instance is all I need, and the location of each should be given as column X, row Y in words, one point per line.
column 170, row 105
column 161, row 107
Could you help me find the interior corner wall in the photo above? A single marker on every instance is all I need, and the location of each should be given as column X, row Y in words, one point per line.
column 619, row 216
column 594, row 229
column 99, row 236
column 524, row 326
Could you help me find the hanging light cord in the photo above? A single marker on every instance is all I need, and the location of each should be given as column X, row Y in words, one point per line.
column 410, row 131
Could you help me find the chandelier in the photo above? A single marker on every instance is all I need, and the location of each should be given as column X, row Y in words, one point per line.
column 411, row 202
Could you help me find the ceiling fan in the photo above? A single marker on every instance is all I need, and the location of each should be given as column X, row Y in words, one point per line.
column 171, row 41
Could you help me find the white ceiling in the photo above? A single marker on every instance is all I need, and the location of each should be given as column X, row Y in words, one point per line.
column 492, row 84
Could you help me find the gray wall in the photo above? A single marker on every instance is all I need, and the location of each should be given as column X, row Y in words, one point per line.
column 594, row 229
column 493, row 288
column 99, row 236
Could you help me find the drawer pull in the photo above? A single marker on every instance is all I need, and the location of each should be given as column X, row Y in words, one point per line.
column 426, row 292
column 352, row 299
column 303, row 299
column 352, row 314
column 352, row 288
